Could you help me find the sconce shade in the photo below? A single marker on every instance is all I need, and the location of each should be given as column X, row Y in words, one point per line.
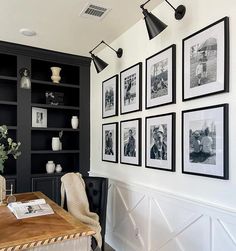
column 98, row 63
column 154, row 25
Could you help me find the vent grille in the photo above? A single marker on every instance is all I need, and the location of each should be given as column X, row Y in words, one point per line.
column 94, row 11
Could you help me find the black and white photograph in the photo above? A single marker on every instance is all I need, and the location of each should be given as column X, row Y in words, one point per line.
column 205, row 141
column 206, row 61
column 130, row 142
column 161, row 78
column 110, row 97
column 110, row 142
column 131, row 89
column 39, row 117
column 160, row 142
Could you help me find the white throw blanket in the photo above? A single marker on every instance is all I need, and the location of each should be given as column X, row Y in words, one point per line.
column 77, row 202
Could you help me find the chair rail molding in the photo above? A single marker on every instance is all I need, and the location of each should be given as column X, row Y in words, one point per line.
column 148, row 219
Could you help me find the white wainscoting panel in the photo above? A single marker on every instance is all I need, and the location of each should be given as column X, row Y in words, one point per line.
column 144, row 219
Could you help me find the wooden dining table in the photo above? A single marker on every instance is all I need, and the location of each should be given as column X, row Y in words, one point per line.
column 58, row 231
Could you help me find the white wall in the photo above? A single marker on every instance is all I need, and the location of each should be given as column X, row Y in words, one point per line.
column 137, row 47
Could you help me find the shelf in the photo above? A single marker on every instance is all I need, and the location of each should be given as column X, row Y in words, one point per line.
column 54, row 129
column 8, row 103
column 47, row 83
column 36, row 175
column 12, row 127
column 54, row 152
column 8, row 78
column 55, row 106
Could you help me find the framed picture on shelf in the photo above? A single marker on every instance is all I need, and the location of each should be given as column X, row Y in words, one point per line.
column 131, row 89
column 205, row 141
column 39, row 117
column 206, row 61
column 130, row 142
column 160, row 78
column 110, row 142
column 110, row 97
column 160, row 142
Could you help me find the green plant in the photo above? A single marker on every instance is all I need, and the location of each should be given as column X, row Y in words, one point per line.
column 7, row 147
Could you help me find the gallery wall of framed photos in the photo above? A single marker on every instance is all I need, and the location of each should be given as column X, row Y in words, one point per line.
column 187, row 101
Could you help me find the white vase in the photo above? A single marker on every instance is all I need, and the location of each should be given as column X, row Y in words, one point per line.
column 74, row 122
column 58, row 168
column 2, row 188
column 50, row 167
column 55, row 74
column 55, row 144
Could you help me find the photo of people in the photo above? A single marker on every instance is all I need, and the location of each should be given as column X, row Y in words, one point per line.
column 39, row 118
column 203, row 62
column 202, row 142
column 130, row 89
column 158, row 142
column 110, row 142
column 129, row 142
column 109, row 98
column 159, row 79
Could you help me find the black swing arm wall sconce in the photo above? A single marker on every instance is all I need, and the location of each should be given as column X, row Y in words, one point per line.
column 154, row 25
column 98, row 62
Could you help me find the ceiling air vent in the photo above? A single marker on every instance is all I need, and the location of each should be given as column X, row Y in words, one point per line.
column 94, row 11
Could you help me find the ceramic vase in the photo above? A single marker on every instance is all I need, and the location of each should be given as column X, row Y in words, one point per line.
column 2, row 188
column 55, row 74
column 50, row 167
column 58, row 168
column 55, row 144
column 74, row 122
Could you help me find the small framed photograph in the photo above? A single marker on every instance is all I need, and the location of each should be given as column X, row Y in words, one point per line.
column 110, row 97
column 131, row 89
column 130, row 142
column 160, row 78
column 205, row 141
column 110, row 142
column 39, row 117
column 206, row 61
column 160, row 142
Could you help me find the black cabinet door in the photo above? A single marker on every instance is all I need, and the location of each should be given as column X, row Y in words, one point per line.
column 46, row 185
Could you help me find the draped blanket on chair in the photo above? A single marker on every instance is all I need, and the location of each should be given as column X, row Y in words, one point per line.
column 73, row 187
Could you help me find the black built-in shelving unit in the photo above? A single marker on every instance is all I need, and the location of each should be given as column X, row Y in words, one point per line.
column 28, row 173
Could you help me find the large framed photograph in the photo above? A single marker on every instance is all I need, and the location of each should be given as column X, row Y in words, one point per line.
column 110, row 142
column 160, row 142
column 130, row 142
column 39, row 117
column 131, row 89
column 160, row 78
column 205, row 141
column 110, row 97
column 206, row 61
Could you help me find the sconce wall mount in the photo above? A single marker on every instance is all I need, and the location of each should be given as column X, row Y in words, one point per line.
column 98, row 62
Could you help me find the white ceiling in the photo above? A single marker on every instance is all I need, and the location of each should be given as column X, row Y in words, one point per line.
column 59, row 26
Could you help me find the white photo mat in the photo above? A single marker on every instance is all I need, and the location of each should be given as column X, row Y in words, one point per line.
column 39, row 117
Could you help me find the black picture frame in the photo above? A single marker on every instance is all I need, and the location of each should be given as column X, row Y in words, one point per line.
column 165, row 125
column 216, row 79
column 129, row 155
column 111, row 84
column 136, row 72
column 109, row 147
column 165, row 80
column 211, row 162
